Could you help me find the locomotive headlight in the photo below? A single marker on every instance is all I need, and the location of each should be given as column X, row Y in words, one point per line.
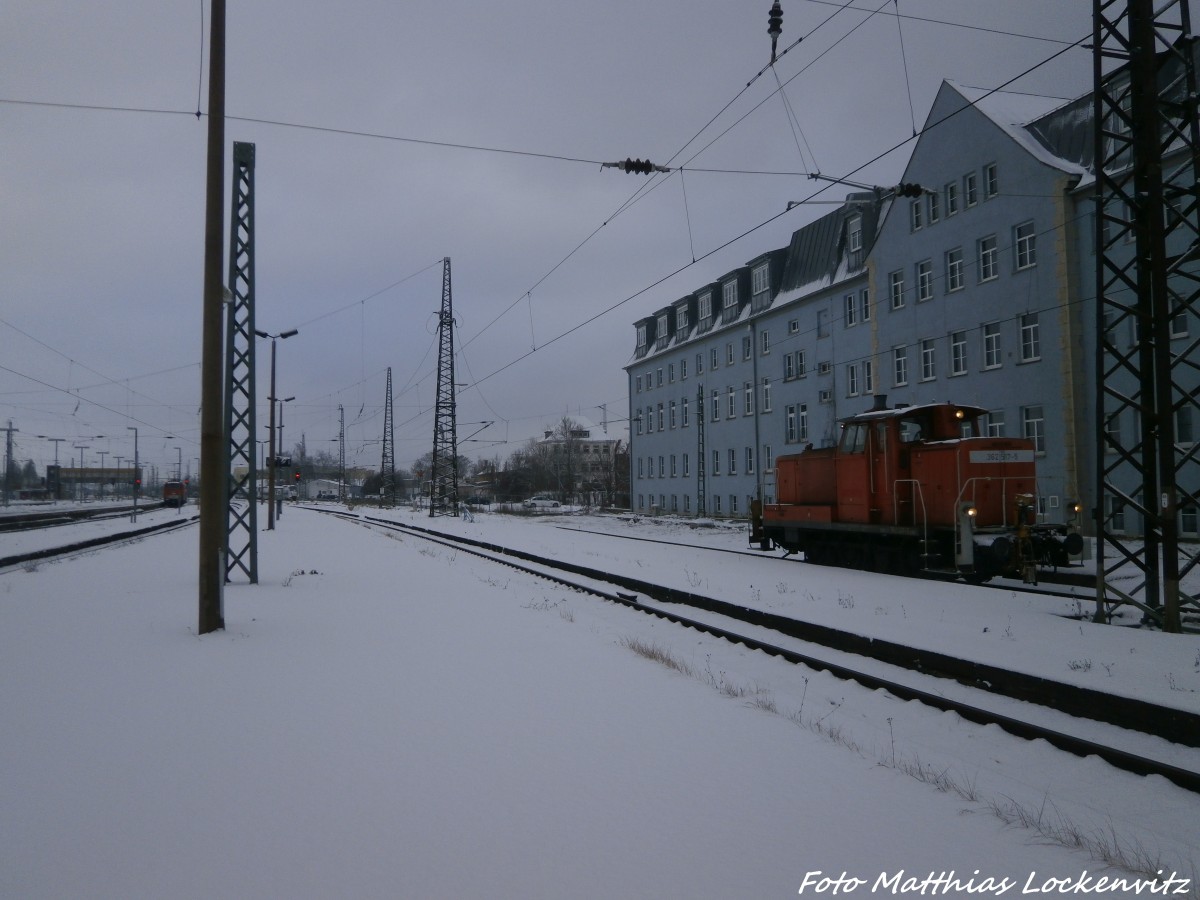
column 972, row 511
column 958, row 414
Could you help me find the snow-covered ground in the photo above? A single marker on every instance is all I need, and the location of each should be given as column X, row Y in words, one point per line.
column 386, row 718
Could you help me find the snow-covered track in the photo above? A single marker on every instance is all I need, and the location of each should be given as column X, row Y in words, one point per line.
column 35, row 556
column 1172, row 724
column 49, row 518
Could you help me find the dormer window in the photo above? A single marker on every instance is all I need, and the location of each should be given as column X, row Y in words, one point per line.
column 681, row 319
column 760, row 280
column 641, row 337
column 854, row 234
column 730, row 296
column 705, row 309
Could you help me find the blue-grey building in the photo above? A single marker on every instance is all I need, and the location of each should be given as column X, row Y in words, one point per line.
column 979, row 289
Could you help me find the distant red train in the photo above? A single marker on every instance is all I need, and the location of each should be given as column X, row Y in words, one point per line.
column 915, row 489
column 175, row 493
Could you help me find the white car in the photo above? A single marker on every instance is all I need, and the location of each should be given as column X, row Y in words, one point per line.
column 541, row 501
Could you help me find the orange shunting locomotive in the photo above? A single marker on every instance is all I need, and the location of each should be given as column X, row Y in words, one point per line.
column 915, row 489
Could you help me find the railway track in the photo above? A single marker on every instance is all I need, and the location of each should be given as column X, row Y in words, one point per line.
column 1174, row 725
column 50, row 518
column 34, row 556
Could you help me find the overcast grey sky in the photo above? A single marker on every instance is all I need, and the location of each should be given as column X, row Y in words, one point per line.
column 101, row 208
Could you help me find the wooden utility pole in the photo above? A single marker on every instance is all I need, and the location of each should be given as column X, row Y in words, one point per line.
column 213, row 446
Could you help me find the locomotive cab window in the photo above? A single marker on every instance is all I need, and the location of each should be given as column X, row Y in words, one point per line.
column 854, row 438
column 912, row 429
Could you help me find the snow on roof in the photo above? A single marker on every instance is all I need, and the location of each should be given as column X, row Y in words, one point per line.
column 1011, row 113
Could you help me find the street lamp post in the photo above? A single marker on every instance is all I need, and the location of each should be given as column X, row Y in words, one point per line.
column 136, row 472
column 79, row 480
column 179, row 465
column 102, row 454
column 282, row 336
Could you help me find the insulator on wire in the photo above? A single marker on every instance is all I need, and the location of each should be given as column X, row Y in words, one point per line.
column 635, row 166
column 775, row 26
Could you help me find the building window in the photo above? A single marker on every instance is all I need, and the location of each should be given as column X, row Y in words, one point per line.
column 951, row 199
column 1033, row 427
column 730, row 403
column 687, row 503
column 670, row 373
column 1189, row 522
column 995, row 423
column 660, row 417
column 970, row 189
column 928, row 360
column 958, row 353
column 851, row 311
column 991, row 346
column 794, row 326
column 790, row 432
column 638, row 381
column 1031, row 344
column 801, row 363
column 854, row 234
column 671, row 415
column 899, row 366
column 1025, row 245
column 716, row 406
column 933, row 198
column 699, row 363
column 641, row 338
column 729, row 357
column 765, row 342
column 638, row 419
column 991, row 182
column 681, row 320
column 649, row 466
column 662, row 467
column 660, row 376
column 759, row 280
column 987, row 258
column 1179, row 325
column 896, row 288
column 924, row 280
column 673, row 471
column 732, row 461
column 733, row 504
column 954, row 270
column 864, row 304
column 916, row 214
column 683, row 414
column 683, row 369
column 868, row 369
column 1112, row 432
column 852, row 380
column 716, row 466
column 749, row 460
column 716, row 504
column 640, row 468
column 747, row 346
column 1183, row 426
column 729, row 293
column 766, row 395
column 748, row 398
column 768, row 457
column 687, row 466
column 714, row 358
column 789, row 367
column 650, row 419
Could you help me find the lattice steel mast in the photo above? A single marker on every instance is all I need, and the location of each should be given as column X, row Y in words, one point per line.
column 387, row 490
column 341, row 454
column 241, row 544
column 1148, row 283
column 443, row 491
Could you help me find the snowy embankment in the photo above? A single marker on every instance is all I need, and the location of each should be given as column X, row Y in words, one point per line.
column 385, row 718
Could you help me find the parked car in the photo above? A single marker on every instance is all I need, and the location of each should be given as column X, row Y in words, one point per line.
column 477, row 500
column 541, row 501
